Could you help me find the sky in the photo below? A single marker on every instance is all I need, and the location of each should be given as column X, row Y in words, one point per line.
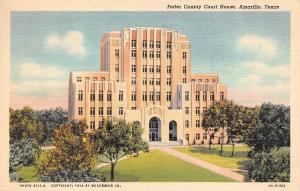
column 249, row 50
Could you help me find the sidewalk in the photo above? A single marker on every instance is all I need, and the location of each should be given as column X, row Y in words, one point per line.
column 211, row 167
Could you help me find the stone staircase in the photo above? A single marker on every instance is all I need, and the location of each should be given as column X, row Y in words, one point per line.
column 157, row 143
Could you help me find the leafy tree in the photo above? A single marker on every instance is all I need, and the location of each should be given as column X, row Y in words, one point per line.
column 272, row 129
column 116, row 140
column 22, row 124
column 22, row 152
column 273, row 166
column 51, row 119
column 72, row 159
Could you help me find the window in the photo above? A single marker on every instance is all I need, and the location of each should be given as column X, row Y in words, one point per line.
column 87, row 78
column 102, row 78
column 184, row 80
column 157, row 96
column 144, row 44
column 151, row 82
column 94, row 78
column 187, row 137
column 169, row 69
column 80, row 95
column 168, row 96
column 133, row 43
column 144, row 54
column 151, row 54
column 157, row 69
column 186, row 124
column 144, row 81
column 213, row 80
column 78, row 79
column 197, row 96
column 133, row 68
column 117, row 52
column 144, row 96
column 133, row 96
column 133, row 53
column 92, row 96
column 204, row 96
column 197, row 123
column 100, row 112
column 80, row 111
column 204, row 136
column 204, row 109
column 151, row 96
column 117, row 68
column 157, row 54
column 193, row 80
column 186, row 111
column 184, row 55
column 197, row 136
column 133, row 108
column 108, row 110
column 169, row 44
column 151, row 69
column 222, row 96
column 169, row 54
column 133, row 80
column 92, row 124
column 212, row 96
column 92, row 110
column 184, row 69
column 144, row 68
column 157, row 81
column 197, row 110
column 120, row 110
column 168, row 81
column 157, row 44
column 206, row 80
column 151, row 44
column 101, row 96
column 120, row 95
column 100, row 124
column 186, row 96
column 108, row 96
column 199, row 80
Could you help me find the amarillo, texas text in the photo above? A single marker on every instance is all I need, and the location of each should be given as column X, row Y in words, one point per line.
column 220, row 7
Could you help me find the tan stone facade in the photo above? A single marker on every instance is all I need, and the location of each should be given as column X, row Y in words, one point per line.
column 145, row 76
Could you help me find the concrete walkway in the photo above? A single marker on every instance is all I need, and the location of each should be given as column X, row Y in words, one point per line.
column 211, row 167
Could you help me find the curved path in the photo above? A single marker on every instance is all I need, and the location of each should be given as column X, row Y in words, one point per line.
column 214, row 168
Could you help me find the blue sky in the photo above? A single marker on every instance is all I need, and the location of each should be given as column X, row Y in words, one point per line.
column 250, row 50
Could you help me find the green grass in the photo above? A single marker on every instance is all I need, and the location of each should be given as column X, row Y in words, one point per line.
column 27, row 174
column 213, row 156
column 157, row 166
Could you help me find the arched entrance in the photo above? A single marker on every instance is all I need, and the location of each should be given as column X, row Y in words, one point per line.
column 173, row 131
column 154, row 129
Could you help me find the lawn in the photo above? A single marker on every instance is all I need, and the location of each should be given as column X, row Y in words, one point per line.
column 27, row 174
column 157, row 166
column 213, row 156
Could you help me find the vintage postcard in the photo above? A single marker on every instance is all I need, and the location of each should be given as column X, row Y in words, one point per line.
column 139, row 95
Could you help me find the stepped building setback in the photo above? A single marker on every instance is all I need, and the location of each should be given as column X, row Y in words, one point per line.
column 145, row 77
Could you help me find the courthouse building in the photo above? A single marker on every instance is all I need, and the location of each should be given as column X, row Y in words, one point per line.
column 145, row 77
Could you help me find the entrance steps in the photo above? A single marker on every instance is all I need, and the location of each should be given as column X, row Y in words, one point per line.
column 170, row 143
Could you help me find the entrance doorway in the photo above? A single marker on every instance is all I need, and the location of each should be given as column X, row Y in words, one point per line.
column 154, row 129
column 173, row 131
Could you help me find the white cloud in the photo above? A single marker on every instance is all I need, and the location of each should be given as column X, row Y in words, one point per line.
column 258, row 44
column 261, row 68
column 36, row 70
column 44, row 88
column 252, row 78
column 72, row 42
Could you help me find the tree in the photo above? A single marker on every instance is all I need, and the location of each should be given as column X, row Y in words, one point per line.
column 22, row 124
column 272, row 129
column 51, row 119
column 22, row 152
column 72, row 159
column 116, row 140
column 273, row 166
